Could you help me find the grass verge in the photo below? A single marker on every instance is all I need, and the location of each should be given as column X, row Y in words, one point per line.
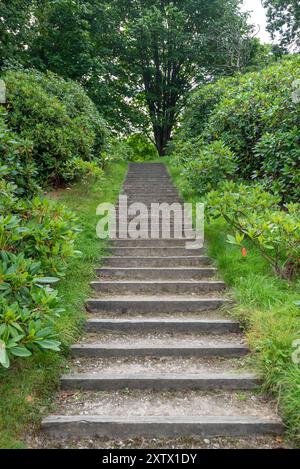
column 265, row 305
column 26, row 389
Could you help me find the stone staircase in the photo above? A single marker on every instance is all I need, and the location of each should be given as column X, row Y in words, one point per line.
column 159, row 360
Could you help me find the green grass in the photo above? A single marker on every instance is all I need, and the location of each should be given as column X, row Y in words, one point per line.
column 27, row 389
column 265, row 306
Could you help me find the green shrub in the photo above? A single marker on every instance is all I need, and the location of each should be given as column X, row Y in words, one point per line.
column 57, row 117
column 50, row 234
column 279, row 154
column 254, row 214
column 136, row 148
column 16, row 161
column 36, row 239
column 201, row 105
column 27, row 309
column 141, row 148
column 43, row 231
column 88, row 172
column 118, row 150
column 207, row 165
column 257, row 118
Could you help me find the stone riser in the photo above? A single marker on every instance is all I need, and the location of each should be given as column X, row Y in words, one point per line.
column 155, row 252
column 163, row 326
column 153, row 306
column 164, row 427
column 89, row 351
column 92, row 382
column 150, row 243
column 156, row 288
column 156, row 262
column 156, row 274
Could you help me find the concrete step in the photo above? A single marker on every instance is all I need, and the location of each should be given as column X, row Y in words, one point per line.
column 144, row 232
column 157, row 194
column 122, row 218
column 154, row 252
column 151, row 243
column 144, row 178
column 159, row 381
column 146, row 189
column 209, row 326
column 225, row 350
column 152, row 304
column 148, row 200
column 184, row 261
column 120, row 427
column 157, row 287
column 123, row 366
column 158, row 273
column 153, row 193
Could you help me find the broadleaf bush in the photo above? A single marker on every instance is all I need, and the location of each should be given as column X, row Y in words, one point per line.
column 141, row 148
column 37, row 238
column 57, row 118
column 257, row 118
column 207, row 165
column 254, row 214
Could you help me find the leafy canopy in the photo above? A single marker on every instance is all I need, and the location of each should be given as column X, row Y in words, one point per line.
column 168, row 47
column 138, row 60
column 284, row 18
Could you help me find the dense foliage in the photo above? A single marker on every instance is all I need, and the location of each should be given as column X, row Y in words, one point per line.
column 16, row 155
column 140, row 148
column 257, row 118
column 205, row 166
column 135, row 148
column 137, row 60
column 284, row 18
column 56, row 121
column 254, row 214
column 50, row 132
column 36, row 240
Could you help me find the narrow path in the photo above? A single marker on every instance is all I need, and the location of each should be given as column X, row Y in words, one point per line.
column 159, row 360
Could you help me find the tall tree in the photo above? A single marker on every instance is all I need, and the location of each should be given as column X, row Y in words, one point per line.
column 284, row 19
column 171, row 46
column 79, row 39
column 138, row 59
column 15, row 30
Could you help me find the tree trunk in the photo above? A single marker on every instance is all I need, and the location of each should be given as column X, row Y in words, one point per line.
column 162, row 137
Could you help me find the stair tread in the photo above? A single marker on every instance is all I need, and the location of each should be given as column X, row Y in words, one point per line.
column 144, row 404
column 160, row 282
column 164, row 365
column 162, row 376
column 191, row 346
column 159, row 316
column 192, row 269
column 167, row 320
column 164, row 419
column 163, row 298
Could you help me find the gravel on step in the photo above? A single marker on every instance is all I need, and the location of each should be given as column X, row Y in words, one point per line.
column 267, row 442
column 176, row 404
column 213, row 315
column 164, row 365
column 163, row 339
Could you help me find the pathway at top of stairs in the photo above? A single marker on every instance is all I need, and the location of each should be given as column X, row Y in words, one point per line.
column 160, row 364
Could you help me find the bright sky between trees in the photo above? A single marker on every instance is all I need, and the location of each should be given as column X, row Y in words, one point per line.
column 258, row 18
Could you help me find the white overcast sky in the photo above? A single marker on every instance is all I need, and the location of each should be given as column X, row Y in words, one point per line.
column 258, row 17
